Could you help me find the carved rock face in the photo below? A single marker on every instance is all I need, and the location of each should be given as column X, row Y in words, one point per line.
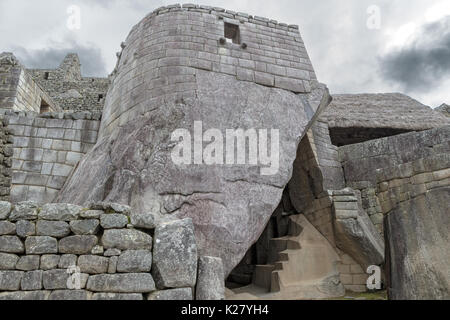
column 132, row 161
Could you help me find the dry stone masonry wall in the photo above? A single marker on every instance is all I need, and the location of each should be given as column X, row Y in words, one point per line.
column 360, row 162
column 176, row 41
column 104, row 252
column 19, row 91
column 46, row 148
column 66, row 86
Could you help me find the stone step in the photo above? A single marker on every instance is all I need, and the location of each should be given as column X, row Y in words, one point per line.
column 262, row 276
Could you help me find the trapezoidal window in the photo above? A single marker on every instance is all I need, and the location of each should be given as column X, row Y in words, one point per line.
column 232, row 33
column 46, row 75
column 45, row 107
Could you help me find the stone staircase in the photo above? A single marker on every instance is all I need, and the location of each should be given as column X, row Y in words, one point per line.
column 301, row 265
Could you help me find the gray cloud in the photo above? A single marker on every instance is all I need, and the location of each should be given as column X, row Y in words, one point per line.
column 92, row 63
column 422, row 64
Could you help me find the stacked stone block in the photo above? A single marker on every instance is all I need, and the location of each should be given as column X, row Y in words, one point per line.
column 6, row 153
column 394, row 154
column 46, row 148
column 67, row 252
column 66, row 86
column 183, row 40
column 18, row 90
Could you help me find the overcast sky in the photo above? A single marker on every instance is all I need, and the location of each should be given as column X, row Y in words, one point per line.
column 408, row 52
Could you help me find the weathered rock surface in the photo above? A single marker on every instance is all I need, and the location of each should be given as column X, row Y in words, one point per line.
column 5, row 209
column 32, row 280
column 24, row 211
column 135, row 261
column 25, row 228
column 28, row 263
column 41, row 245
column 210, row 282
column 121, row 283
column 354, row 232
column 126, row 239
column 77, row 244
column 7, row 228
column 93, row 264
column 172, row 295
column 8, row 261
column 49, row 261
column 229, row 205
column 113, row 221
column 60, row 212
column 25, row 295
column 70, row 295
column 418, row 245
column 175, row 255
column 117, row 296
column 85, row 227
column 11, row 244
column 10, row 280
column 57, row 229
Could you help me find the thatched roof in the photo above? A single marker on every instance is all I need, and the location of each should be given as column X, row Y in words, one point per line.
column 385, row 110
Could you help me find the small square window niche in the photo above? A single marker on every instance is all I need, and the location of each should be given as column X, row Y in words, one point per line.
column 232, row 33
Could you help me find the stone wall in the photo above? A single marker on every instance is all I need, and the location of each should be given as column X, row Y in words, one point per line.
column 415, row 198
column 360, row 162
column 66, row 86
column 18, row 90
column 180, row 40
column 46, row 148
column 6, row 153
column 104, row 252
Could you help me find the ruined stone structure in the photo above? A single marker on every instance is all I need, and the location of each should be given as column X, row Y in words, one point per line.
column 88, row 178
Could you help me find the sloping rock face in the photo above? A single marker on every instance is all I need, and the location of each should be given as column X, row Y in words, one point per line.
column 417, row 235
column 154, row 94
column 445, row 109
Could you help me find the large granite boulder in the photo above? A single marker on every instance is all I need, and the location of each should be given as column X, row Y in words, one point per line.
column 132, row 162
column 417, row 240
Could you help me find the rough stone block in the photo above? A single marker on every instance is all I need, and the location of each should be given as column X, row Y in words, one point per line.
column 175, row 255
column 73, row 295
column 41, row 245
column 135, row 261
column 77, row 244
column 55, row 279
column 112, row 252
column 60, row 212
column 143, row 221
column 7, row 228
column 11, row 244
column 10, row 280
column 85, row 227
column 117, row 296
column 25, row 295
column 49, row 261
column 28, row 263
column 67, row 261
column 121, row 283
column 57, row 229
column 91, row 214
column 24, row 211
column 5, row 210
column 8, row 261
column 126, row 239
column 172, row 294
column 113, row 221
column 93, row 264
column 211, row 279
column 32, row 280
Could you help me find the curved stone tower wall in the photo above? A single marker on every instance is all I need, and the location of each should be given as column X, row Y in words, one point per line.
column 161, row 54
